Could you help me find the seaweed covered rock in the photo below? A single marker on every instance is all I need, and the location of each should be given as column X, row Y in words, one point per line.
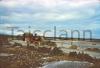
column 44, row 49
column 17, row 44
column 73, row 47
column 93, row 49
column 56, row 51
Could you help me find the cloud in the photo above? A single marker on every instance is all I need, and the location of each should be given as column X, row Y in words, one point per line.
column 49, row 6
column 77, row 3
column 48, row 3
column 72, row 14
column 49, row 16
column 57, row 16
column 7, row 26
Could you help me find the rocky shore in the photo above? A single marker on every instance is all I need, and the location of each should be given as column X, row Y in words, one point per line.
column 31, row 57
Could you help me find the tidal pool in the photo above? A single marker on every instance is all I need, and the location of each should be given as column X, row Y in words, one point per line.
column 68, row 64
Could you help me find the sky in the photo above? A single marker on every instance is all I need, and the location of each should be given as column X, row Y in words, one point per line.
column 43, row 15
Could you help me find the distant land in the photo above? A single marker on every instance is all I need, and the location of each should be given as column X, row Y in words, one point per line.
column 55, row 38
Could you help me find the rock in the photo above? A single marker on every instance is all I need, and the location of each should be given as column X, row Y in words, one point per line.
column 73, row 47
column 93, row 49
column 56, row 51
